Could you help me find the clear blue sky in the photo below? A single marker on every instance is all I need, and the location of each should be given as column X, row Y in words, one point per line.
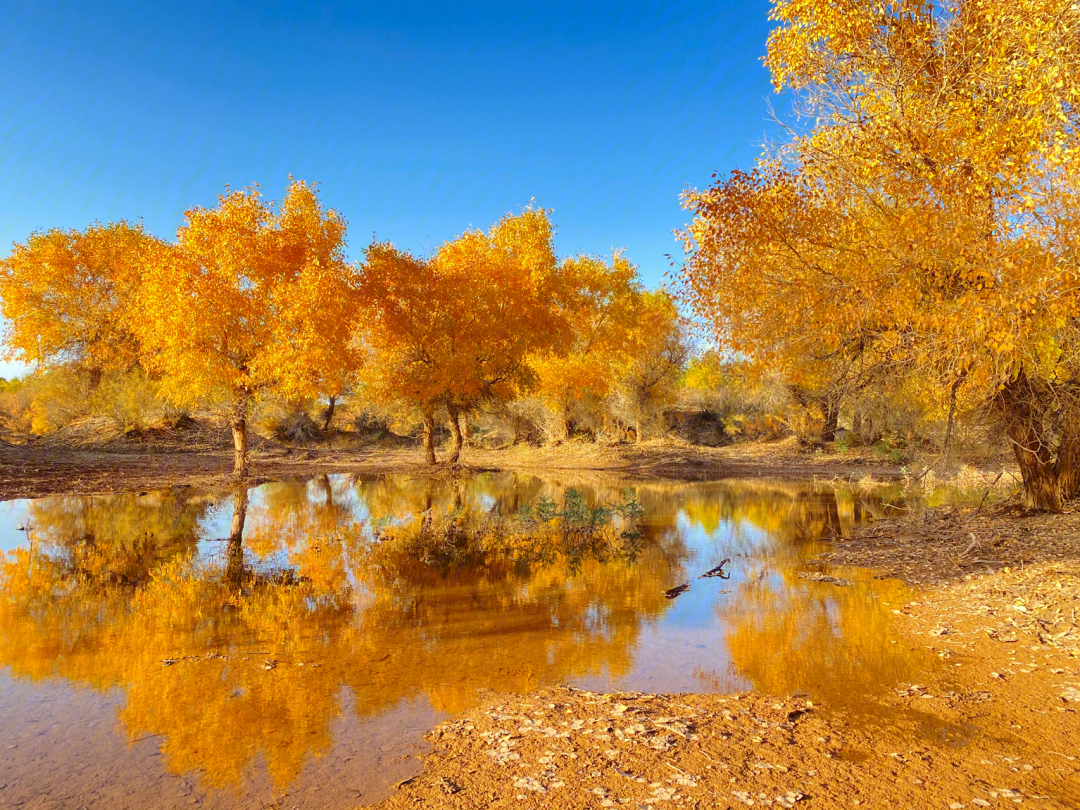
column 419, row 119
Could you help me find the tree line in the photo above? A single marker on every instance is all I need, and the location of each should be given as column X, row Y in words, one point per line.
column 909, row 245
column 255, row 299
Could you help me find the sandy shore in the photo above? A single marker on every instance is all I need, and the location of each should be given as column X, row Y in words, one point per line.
column 32, row 471
column 996, row 724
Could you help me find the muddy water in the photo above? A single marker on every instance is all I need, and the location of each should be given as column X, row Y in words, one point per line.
column 289, row 645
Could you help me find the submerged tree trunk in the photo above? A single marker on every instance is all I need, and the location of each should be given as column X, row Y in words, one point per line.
column 240, row 442
column 234, row 566
column 455, row 429
column 429, row 436
column 328, row 414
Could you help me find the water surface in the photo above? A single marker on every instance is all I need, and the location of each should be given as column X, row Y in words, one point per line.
column 147, row 660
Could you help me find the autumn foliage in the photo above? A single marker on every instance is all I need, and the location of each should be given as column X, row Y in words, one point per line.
column 454, row 331
column 924, row 227
column 67, row 296
column 249, row 300
column 256, row 302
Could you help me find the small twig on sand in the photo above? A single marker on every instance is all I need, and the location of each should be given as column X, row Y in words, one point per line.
column 987, row 493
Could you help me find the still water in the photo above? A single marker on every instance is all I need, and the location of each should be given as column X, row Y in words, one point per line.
column 148, row 660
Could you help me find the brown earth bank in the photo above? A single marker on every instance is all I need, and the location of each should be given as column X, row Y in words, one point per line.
column 205, row 459
column 995, row 725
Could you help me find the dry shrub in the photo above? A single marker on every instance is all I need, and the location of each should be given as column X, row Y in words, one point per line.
column 807, row 423
column 524, row 420
column 372, row 425
column 296, row 427
column 116, row 403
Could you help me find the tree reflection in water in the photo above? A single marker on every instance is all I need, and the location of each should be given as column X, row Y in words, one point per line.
column 246, row 649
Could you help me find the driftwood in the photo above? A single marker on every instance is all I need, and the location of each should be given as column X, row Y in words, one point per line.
column 814, row 576
column 718, row 571
column 671, row 593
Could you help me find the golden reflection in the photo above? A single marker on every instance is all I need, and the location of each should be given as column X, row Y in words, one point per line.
column 245, row 649
column 834, row 642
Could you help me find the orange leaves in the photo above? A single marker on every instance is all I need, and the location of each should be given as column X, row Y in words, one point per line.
column 925, row 222
column 456, row 328
column 601, row 301
column 252, row 299
column 67, row 295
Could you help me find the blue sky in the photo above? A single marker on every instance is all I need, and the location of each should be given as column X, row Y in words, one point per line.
column 419, row 119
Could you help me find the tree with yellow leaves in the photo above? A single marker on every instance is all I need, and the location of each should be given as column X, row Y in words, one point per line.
column 926, row 224
column 68, row 296
column 251, row 300
column 656, row 354
column 456, row 330
column 603, row 298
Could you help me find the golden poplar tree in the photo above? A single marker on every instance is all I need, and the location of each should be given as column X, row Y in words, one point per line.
column 251, row 300
column 68, row 296
column 926, row 222
column 656, row 355
column 601, row 299
column 456, row 330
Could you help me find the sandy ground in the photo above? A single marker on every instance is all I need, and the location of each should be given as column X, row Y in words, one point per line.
column 32, row 471
column 996, row 725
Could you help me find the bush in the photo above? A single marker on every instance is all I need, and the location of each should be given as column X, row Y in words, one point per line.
column 807, row 423
column 375, row 425
column 296, row 427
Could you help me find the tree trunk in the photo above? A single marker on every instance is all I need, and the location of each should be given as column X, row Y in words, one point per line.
column 1042, row 486
column 566, row 422
column 328, row 414
column 947, row 449
column 830, row 409
column 638, row 424
column 429, row 437
column 240, row 444
column 455, row 429
column 234, row 567
column 1068, row 457
column 1019, row 405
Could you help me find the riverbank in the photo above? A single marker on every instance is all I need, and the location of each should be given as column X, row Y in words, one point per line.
column 995, row 724
column 200, row 460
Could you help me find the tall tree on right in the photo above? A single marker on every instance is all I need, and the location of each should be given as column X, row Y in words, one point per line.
column 926, row 221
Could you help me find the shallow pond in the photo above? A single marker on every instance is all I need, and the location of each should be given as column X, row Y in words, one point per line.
column 148, row 660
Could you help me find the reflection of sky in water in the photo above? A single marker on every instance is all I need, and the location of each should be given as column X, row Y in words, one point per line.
column 413, row 631
column 688, row 638
column 12, row 516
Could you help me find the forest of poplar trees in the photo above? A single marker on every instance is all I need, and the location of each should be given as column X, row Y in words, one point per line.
column 900, row 266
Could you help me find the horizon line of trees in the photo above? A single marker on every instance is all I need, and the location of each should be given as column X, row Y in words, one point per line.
column 912, row 243
column 254, row 300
